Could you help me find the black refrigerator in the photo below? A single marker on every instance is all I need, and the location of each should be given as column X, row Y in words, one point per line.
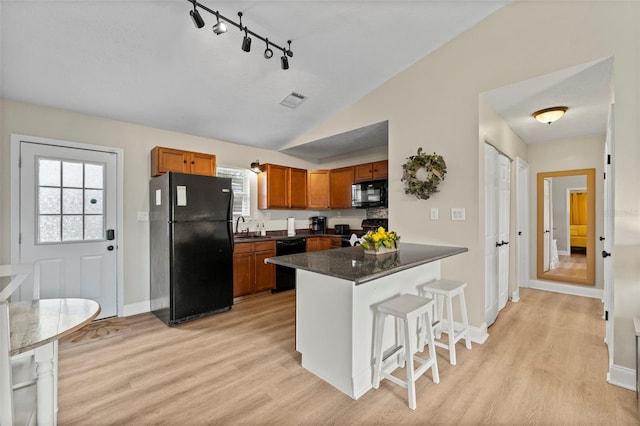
column 191, row 246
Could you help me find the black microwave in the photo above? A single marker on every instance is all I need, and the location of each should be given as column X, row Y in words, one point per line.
column 369, row 194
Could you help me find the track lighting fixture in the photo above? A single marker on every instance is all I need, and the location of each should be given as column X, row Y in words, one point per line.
column 220, row 27
column 268, row 53
column 195, row 16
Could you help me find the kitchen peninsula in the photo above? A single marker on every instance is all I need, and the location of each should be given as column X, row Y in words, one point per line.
column 336, row 294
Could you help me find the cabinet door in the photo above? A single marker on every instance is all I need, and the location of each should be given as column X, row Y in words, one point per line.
column 297, row 190
column 363, row 172
column 165, row 160
column 313, row 243
column 336, row 242
column 203, row 164
column 272, row 187
column 265, row 272
column 380, row 169
column 341, row 181
column 243, row 273
column 325, row 243
column 318, row 189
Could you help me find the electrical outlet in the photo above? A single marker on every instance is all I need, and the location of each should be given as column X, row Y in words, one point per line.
column 143, row 216
column 434, row 213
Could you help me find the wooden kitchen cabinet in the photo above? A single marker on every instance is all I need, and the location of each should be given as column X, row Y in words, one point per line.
column 250, row 273
column 340, row 181
column 371, row 171
column 318, row 189
column 318, row 243
column 336, row 242
column 165, row 160
column 281, row 187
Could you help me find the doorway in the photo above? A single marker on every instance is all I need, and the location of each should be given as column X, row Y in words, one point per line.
column 66, row 208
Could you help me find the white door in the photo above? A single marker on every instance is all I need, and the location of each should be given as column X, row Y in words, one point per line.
column 608, row 232
column 68, row 222
column 522, row 178
column 491, row 234
column 546, row 219
column 504, row 212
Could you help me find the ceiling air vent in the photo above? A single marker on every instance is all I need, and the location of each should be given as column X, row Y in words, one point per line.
column 293, row 100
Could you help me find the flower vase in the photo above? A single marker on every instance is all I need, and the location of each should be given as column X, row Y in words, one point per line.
column 381, row 250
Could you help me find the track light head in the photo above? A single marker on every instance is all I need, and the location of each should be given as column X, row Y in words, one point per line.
column 284, row 61
column 246, row 42
column 195, row 16
column 268, row 53
column 219, row 27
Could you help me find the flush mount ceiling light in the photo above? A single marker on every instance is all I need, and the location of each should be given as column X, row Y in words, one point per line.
column 220, row 27
column 549, row 115
column 255, row 167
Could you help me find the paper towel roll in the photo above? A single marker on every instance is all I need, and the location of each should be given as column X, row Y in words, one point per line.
column 291, row 227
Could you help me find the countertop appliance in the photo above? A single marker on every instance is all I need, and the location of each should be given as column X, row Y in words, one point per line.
column 318, row 224
column 374, row 224
column 191, row 246
column 369, row 194
column 285, row 276
column 342, row 229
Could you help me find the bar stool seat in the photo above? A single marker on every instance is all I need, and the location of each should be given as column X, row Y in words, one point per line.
column 445, row 290
column 405, row 308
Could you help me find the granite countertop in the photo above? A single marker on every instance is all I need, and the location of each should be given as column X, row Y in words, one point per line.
column 240, row 238
column 352, row 264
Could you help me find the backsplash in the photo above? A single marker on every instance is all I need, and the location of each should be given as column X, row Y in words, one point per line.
column 378, row 213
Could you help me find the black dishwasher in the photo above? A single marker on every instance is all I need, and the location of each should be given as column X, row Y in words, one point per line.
column 285, row 276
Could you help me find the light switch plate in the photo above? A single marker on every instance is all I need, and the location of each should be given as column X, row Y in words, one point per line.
column 458, row 213
column 434, row 213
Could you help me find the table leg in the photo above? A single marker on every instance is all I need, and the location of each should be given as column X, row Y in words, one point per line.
column 45, row 384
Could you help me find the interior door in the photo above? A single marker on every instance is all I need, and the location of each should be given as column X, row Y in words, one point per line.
column 523, row 225
column 68, row 222
column 504, row 215
column 491, row 234
column 607, row 247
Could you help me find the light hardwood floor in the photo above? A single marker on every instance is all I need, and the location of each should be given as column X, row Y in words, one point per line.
column 544, row 363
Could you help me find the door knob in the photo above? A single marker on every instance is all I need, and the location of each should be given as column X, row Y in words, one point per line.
column 519, row 232
column 498, row 244
column 505, row 243
column 605, row 254
column 546, row 231
column 601, row 238
column 110, row 248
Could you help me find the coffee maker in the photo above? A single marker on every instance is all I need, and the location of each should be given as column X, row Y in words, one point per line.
column 318, row 224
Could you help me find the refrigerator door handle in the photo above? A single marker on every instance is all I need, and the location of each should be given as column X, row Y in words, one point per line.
column 230, row 222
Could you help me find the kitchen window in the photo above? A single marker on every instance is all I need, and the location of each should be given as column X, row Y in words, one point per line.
column 240, row 180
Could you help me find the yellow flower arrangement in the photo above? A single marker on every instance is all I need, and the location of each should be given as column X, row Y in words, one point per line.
column 380, row 238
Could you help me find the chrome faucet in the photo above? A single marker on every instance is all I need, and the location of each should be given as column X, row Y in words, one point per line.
column 238, row 223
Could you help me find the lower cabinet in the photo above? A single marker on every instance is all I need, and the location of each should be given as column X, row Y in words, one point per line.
column 250, row 273
column 336, row 242
column 319, row 243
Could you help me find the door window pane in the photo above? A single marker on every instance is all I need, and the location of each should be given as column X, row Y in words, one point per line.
column 71, row 228
column 93, row 228
column 71, row 201
column 49, row 229
column 49, row 201
column 48, row 172
column 93, row 201
column 94, row 176
column 72, row 174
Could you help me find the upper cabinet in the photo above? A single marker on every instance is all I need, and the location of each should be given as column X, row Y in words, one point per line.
column 340, row 187
column 318, row 189
column 281, row 187
column 165, row 160
column 371, row 171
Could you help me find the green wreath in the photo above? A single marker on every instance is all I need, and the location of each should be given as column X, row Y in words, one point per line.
column 435, row 169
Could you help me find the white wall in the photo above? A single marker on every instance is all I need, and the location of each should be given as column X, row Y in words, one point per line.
column 434, row 104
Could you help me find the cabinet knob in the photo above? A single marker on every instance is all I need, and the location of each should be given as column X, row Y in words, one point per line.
column 185, row 161
column 193, row 162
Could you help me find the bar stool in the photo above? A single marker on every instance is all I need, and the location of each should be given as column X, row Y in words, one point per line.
column 405, row 308
column 443, row 290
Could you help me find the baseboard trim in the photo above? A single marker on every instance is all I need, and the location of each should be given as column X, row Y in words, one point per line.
column 515, row 296
column 576, row 290
column 622, row 376
column 136, row 308
column 478, row 334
